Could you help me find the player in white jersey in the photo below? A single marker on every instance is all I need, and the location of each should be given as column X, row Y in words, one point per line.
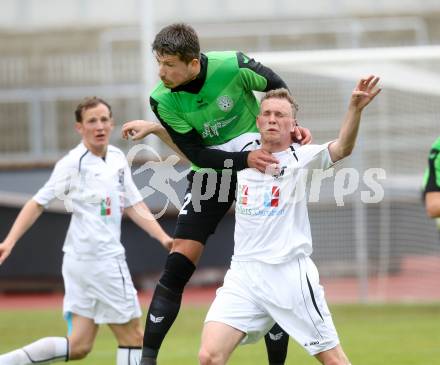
column 271, row 277
column 94, row 182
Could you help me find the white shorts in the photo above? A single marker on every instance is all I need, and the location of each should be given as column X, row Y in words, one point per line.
column 255, row 295
column 101, row 290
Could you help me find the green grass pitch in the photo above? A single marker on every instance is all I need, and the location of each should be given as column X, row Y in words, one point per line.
column 370, row 335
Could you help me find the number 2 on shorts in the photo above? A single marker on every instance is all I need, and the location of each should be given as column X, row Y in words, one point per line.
column 186, row 201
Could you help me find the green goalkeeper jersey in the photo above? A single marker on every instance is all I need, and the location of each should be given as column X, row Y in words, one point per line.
column 216, row 107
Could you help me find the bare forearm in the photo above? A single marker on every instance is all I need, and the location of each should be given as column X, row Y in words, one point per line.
column 432, row 204
column 364, row 92
column 165, row 138
column 25, row 219
column 138, row 129
column 344, row 145
column 142, row 216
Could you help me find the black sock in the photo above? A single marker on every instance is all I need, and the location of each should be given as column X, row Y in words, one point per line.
column 277, row 341
column 148, row 361
column 165, row 304
column 161, row 315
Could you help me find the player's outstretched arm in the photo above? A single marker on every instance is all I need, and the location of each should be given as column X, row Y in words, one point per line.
column 361, row 96
column 25, row 219
column 142, row 216
column 138, row 129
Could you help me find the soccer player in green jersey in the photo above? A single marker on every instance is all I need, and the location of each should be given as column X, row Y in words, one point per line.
column 207, row 110
column 432, row 183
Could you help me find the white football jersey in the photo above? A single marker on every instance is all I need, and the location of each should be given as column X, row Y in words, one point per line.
column 95, row 191
column 271, row 219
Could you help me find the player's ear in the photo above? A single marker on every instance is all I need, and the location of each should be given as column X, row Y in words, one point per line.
column 258, row 121
column 194, row 62
column 294, row 124
column 79, row 127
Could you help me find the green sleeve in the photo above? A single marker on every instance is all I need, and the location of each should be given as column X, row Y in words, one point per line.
column 257, row 77
column 167, row 114
column 251, row 80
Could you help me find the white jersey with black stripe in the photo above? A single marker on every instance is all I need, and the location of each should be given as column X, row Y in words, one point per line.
column 272, row 223
column 95, row 191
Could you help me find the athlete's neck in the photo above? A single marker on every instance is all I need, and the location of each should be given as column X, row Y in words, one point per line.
column 194, row 74
column 97, row 151
column 274, row 147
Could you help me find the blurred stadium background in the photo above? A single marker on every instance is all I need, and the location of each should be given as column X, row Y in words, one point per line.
column 54, row 53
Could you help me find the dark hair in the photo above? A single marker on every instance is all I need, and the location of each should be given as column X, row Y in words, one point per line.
column 178, row 39
column 282, row 93
column 88, row 103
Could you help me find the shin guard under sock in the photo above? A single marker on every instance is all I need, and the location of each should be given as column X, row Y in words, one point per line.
column 165, row 304
column 277, row 341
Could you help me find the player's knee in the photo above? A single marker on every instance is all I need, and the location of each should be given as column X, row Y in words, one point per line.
column 178, row 271
column 132, row 339
column 205, row 357
column 79, row 351
column 210, row 357
column 138, row 336
column 337, row 359
column 335, row 362
column 129, row 334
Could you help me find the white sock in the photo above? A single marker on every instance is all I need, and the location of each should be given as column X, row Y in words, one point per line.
column 44, row 351
column 128, row 355
column 16, row 357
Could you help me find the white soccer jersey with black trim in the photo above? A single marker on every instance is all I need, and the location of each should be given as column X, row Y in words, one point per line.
column 95, row 190
column 263, row 199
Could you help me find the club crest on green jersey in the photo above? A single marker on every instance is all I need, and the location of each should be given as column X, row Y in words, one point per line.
column 225, row 103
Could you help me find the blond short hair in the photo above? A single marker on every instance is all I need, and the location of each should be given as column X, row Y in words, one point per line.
column 282, row 93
